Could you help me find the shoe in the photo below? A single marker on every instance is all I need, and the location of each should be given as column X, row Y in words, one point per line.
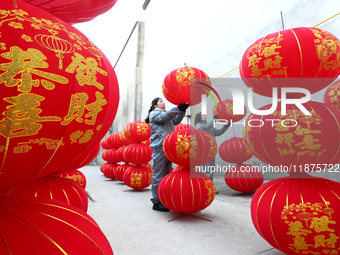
column 160, row 207
column 217, row 192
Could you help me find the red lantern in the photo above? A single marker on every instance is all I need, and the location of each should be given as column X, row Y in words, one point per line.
column 225, row 111
column 124, row 140
column 181, row 85
column 109, row 170
column 138, row 131
column 190, row 147
column 103, row 166
column 74, row 175
column 51, row 188
column 299, row 215
column 58, row 99
column 74, row 11
column 177, row 168
column 119, row 171
column 138, row 177
column 296, row 141
column 137, row 153
column 332, row 93
column 234, row 150
column 303, row 52
column 244, row 178
column 105, row 145
column 111, row 156
column 180, row 193
column 113, row 141
column 181, row 126
column 38, row 226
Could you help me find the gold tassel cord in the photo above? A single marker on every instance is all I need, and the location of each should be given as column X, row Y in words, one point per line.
column 238, row 67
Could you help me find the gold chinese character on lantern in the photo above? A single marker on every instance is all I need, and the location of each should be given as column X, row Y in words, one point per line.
column 78, row 106
column 22, row 116
column 25, row 64
column 87, row 69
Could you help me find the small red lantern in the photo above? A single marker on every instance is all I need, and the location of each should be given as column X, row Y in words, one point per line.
column 190, row 147
column 138, row 131
column 123, row 139
column 181, row 126
column 119, row 171
column 296, row 141
column 332, row 93
column 105, row 145
column 299, row 215
column 181, row 85
column 109, row 170
column 111, row 156
column 74, row 175
column 180, row 193
column 58, row 99
column 51, row 188
column 244, row 178
column 103, row 166
column 138, row 177
column 74, row 11
column 234, row 150
column 137, row 153
column 225, row 111
column 39, row 226
column 113, row 141
column 303, row 52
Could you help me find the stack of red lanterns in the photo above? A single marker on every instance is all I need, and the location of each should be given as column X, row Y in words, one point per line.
column 187, row 191
column 296, row 214
column 138, row 153
column 59, row 96
column 243, row 178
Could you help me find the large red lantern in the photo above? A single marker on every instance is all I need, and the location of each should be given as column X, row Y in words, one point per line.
column 234, row 150
column 180, row 193
column 244, row 178
column 74, row 11
column 51, row 188
column 182, row 85
column 138, row 177
column 224, row 111
column 40, row 227
column 303, row 52
column 138, row 131
column 332, row 93
column 74, row 175
column 190, row 147
column 58, row 97
column 137, row 153
column 296, row 141
column 299, row 215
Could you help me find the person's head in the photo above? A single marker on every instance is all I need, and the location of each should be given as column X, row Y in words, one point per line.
column 156, row 103
column 199, row 117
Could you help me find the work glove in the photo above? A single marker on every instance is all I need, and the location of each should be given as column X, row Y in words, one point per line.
column 227, row 125
column 183, row 107
column 216, row 117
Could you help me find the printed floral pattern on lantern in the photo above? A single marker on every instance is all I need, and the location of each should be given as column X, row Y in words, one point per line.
column 183, row 146
column 327, row 49
column 211, row 191
column 183, row 76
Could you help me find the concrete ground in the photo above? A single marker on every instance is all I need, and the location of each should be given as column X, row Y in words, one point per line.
column 132, row 227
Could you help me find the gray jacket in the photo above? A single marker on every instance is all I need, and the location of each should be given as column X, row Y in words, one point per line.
column 208, row 126
column 162, row 124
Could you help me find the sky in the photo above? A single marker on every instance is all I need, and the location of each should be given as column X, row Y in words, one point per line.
column 110, row 30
